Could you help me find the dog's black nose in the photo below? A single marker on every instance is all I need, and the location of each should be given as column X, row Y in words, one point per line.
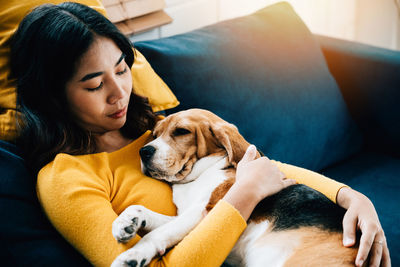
column 146, row 153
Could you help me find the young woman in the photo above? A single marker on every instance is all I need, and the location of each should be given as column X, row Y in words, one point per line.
column 83, row 127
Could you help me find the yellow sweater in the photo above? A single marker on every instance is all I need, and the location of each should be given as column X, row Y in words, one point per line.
column 83, row 195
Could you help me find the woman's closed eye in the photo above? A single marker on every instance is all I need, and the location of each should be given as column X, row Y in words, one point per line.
column 122, row 72
column 119, row 73
column 95, row 88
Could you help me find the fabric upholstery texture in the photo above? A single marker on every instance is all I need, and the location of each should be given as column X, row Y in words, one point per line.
column 266, row 74
column 372, row 103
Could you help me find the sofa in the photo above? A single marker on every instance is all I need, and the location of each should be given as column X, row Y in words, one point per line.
column 321, row 103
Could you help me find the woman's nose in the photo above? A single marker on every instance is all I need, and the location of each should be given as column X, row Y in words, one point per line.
column 116, row 92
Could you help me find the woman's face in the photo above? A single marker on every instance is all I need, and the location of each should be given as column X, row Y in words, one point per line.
column 98, row 94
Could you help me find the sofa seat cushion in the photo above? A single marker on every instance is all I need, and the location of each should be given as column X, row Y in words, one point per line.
column 265, row 73
column 377, row 176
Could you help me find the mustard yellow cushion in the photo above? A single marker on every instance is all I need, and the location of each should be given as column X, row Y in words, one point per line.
column 145, row 81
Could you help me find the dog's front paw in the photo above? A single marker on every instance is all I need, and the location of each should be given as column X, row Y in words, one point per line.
column 125, row 227
column 121, row 262
column 135, row 257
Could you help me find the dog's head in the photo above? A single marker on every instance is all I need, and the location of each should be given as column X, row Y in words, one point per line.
column 183, row 138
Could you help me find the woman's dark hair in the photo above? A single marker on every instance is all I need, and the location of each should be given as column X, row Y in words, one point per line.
column 45, row 51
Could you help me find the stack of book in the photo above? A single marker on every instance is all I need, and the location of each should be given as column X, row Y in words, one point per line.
column 135, row 16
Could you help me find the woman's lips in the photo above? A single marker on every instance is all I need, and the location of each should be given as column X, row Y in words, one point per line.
column 120, row 113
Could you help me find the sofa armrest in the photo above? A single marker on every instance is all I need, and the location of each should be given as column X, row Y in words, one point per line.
column 369, row 78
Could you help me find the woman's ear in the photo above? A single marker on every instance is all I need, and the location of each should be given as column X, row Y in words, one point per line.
column 228, row 136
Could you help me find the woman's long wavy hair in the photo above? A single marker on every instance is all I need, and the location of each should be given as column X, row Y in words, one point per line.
column 45, row 51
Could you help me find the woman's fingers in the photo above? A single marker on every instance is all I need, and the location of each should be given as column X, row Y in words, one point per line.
column 379, row 255
column 371, row 243
column 349, row 228
column 376, row 253
column 249, row 155
column 385, row 256
column 366, row 242
column 362, row 215
column 288, row 182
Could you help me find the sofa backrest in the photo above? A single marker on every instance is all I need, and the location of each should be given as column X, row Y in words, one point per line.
column 266, row 74
column 369, row 78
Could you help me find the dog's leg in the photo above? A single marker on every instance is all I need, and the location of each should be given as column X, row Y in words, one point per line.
column 157, row 241
column 136, row 217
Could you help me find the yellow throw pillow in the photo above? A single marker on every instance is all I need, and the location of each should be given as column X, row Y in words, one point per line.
column 145, row 81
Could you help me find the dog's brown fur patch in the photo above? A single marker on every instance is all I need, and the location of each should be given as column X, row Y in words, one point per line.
column 219, row 192
column 321, row 248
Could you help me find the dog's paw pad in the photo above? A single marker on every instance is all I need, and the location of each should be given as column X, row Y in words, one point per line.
column 123, row 230
column 125, row 227
column 129, row 229
column 133, row 258
column 134, row 263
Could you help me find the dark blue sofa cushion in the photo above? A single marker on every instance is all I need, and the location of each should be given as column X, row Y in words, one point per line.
column 27, row 238
column 369, row 78
column 377, row 176
column 266, row 74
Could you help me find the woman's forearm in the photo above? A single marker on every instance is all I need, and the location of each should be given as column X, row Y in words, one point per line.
column 319, row 182
column 242, row 200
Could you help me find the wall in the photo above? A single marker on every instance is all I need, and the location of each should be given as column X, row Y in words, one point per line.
column 374, row 22
column 378, row 23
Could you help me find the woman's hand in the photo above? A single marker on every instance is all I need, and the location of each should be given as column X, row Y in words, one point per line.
column 361, row 215
column 260, row 177
column 255, row 180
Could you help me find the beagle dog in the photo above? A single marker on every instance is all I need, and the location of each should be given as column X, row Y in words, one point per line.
column 197, row 152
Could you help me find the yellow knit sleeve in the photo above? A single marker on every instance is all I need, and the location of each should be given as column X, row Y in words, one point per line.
column 78, row 205
column 210, row 242
column 317, row 181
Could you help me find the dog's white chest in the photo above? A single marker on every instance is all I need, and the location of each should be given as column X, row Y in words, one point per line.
column 208, row 173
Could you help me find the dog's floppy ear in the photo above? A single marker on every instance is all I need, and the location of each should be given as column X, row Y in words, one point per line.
column 229, row 137
column 206, row 142
column 202, row 148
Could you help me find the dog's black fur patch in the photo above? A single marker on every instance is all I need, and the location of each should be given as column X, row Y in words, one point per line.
column 299, row 205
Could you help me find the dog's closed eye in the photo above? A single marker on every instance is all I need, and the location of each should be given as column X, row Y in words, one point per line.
column 181, row 131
